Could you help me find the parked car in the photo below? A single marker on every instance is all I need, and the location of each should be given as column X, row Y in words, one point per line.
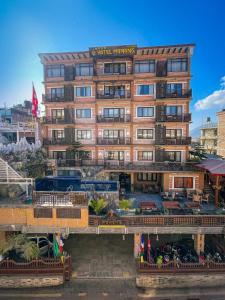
column 43, row 243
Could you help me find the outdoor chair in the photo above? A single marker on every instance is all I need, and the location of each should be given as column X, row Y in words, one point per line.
column 197, row 198
column 205, row 198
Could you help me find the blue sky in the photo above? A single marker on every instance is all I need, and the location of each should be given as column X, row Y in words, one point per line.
column 30, row 27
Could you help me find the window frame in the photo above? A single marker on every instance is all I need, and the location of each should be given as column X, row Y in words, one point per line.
column 142, row 108
column 183, row 185
column 145, row 138
column 50, row 70
column 149, row 62
column 175, row 154
column 149, row 94
column 150, row 177
column 82, row 133
column 89, row 66
column 181, row 60
column 142, row 158
column 83, row 87
column 112, row 65
column 81, row 115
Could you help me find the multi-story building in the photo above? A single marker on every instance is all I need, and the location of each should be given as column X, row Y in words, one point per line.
column 129, row 107
column 208, row 138
column 221, row 133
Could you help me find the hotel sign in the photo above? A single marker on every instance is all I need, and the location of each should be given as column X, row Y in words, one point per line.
column 113, row 51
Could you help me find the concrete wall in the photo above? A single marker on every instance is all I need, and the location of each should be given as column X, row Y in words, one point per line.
column 29, row 281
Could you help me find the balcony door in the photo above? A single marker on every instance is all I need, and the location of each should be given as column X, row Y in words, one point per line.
column 113, row 112
column 113, row 134
column 117, row 91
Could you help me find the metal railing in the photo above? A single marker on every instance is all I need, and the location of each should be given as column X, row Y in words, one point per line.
column 139, row 221
column 44, row 266
column 52, row 120
column 184, row 93
column 114, row 141
column 51, row 98
column 51, row 198
column 174, row 141
column 116, row 95
column 52, row 141
column 121, row 118
column 173, row 118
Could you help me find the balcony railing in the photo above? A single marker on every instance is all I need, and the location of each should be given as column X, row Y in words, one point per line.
column 59, row 199
column 174, row 118
column 116, row 95
column 78, row 163
column 174, row 141
column 50, row 98
column 107, row 119
column 184, row 93
column 52, row 141
column 114, row 141
column 52, row 120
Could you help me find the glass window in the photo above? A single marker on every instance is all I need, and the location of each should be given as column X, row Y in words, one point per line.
column 111, row 134
column 57, row 92
column 59, row 154
column 173, row 110
column 83, row 113
column 83, row 134
column 174, row 88
column 147, row 176
column 115, row 155
column 113, row 112
column 145, row 133
column 58, row 113
column 58, row 134
column 173, row 156
column 145, row 66
column 177, row 65
column 55, row 71
column 145, row 155
column 145, row 89
column 112, row 68
column 183, row 182
column 83, row 91
column 84, row 70
column 115, row 90
column 173, row 133
column 145, row 111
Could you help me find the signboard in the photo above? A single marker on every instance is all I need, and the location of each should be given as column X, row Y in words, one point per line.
column 113, row 51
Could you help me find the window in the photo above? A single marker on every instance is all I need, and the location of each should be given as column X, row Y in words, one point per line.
column 113, row 112
column 145, row 89
column 58, row 134
column 83, row 113
column 145, row 112
column 57, row 92
column 55, row 71
column 147, row 176
column 173, row 133
column 173, row 110
column 83, row 91
column 58, row 113
column 174, row 88
column 173, row 156
column 113, row 134
column 59, row 154
column 144, row 66
column 183, row 182
column 84, row 70
column 115, row 90
column 145, row 133
column 115, row 155
column 145, row 155
column 83, row 134
column 177, row 65
column 119, row 68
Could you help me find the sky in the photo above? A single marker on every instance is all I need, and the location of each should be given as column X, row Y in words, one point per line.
column 31, row 27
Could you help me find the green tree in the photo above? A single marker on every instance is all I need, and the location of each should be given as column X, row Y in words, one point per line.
column 125, row 204
column 98, row 205
column 22, row 245
column 76, row 151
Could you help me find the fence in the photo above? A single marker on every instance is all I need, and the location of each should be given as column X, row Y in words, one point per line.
column 45, row 266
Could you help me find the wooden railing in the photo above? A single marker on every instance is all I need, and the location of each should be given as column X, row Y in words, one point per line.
column 38, row 266
column 174, row 267
column 59, row 198
column 138, row 221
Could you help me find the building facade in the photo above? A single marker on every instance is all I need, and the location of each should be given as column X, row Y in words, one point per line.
column 208, row 138
column 221, row 133
column 128, row 107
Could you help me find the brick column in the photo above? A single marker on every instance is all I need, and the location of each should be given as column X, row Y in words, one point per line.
column 199, row 243
column 137, row 241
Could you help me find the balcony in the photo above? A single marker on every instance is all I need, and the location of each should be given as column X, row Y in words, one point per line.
column 52, row 141
column 113, row 141
column 174, row 141
column 52, row 120
column 163, row 93
column 61, row 163
column 107, row 119
column 173, row 118
column 49, row 98
column 117, row 95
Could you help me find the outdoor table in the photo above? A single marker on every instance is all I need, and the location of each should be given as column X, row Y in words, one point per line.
column 193, row 205
column 148, row 205
column 171, row 204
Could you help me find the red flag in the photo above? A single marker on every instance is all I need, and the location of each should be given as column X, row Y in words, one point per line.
column 34, row 103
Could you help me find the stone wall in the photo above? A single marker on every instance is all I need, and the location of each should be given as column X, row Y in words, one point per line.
column 29, row 281
column 168, row 281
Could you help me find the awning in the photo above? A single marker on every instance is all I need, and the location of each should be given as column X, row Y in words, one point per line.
column 214, row 166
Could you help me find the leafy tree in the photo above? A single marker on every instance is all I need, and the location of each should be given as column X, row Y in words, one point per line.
column 124, row 204
column 22, row 245
column 76, row 151
column 98, row 205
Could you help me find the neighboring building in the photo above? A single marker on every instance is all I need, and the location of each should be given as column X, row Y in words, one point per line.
column 221, row 133
column 16, row 122
column 208, row 138
column 129, row 107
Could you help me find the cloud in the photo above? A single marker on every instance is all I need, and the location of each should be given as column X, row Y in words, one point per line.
column 217, row 98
